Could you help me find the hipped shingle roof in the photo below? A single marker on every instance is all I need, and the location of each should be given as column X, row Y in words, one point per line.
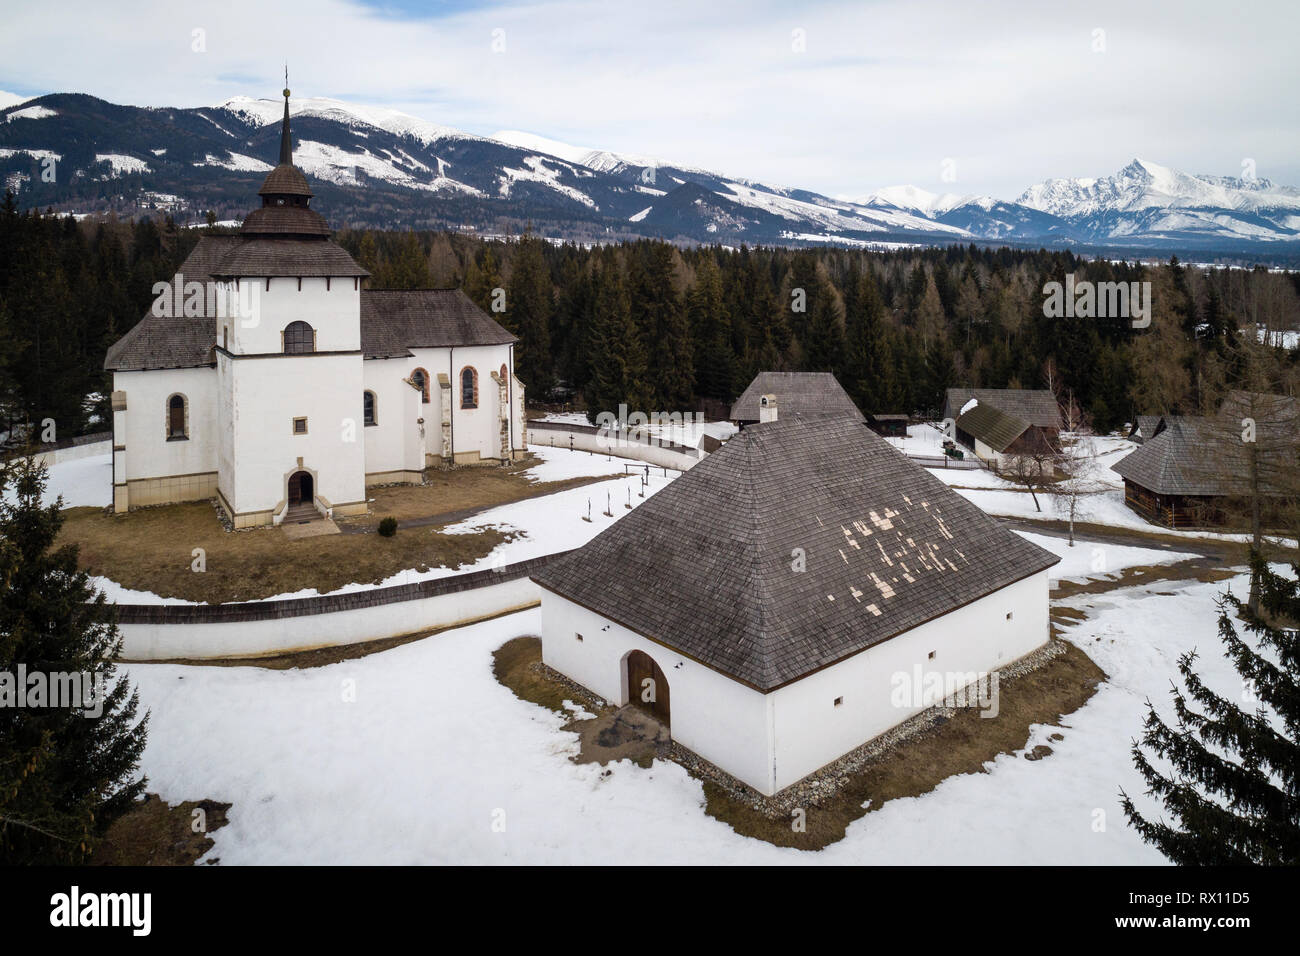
column 705, row 566
column 811, row 395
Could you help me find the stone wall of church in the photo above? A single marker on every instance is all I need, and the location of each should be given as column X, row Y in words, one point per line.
column 394, row 443
column 153, row 465
column 334, row 313
column 268, row 394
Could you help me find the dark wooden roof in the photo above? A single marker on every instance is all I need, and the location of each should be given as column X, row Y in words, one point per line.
column 1036, row 406
column 704, row 566
column 394, row 321
column 285, row 180
column 808, row 394
column 285, row 221
column 1205, row 456
column 287, row 257
column 158, row 342
column 992, row 426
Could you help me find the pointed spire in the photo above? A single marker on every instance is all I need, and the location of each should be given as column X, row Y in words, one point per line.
column 286, row 144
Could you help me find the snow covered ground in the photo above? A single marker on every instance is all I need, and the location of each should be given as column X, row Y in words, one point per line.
column 540, row 526
column 82, row 482
column 433, row 751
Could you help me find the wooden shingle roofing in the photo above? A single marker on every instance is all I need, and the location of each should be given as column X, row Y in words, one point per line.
column 263, row 257
column 392, row 322
column 992, row 426
column 1037, row 406
column 809, row 394
column 1205, row 456
column 707, row 565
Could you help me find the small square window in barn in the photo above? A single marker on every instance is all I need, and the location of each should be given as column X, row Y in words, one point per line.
column 838, row 701
column 930, row 656
column 300, row 426
column 579, row 637
column 1009, row 615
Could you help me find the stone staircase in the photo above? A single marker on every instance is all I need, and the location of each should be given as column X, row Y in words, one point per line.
column 300, row 513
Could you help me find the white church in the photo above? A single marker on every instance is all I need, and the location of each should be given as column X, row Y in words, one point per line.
column 288, row 388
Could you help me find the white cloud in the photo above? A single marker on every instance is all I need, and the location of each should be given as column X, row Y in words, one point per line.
column 885, row 92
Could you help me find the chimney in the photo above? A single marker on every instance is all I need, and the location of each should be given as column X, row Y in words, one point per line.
column 767, row 409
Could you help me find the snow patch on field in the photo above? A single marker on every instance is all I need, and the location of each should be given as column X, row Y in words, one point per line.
column 539, row 172
column 123, row 164
column 236, row 161
column 30, row 112
column 404, row 776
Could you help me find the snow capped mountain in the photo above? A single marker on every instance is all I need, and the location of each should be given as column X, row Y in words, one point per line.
column 378, row 167
column 264, row 112
column 1147, row 199
column 919, row 200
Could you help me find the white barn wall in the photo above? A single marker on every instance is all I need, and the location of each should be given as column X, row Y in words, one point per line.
column 722, row 720
column 811, row 731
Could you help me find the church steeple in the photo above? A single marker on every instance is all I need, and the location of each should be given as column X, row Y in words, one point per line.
column 286, row 195
column 286, row 144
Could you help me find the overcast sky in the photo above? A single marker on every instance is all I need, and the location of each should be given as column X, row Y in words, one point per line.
column 842, row 98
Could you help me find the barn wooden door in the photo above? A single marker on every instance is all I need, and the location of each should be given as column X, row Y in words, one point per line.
column 645, row 679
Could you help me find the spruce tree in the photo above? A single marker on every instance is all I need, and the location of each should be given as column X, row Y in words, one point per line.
column 617, row 363
column 711, row 328
column 65, row 775
column 1233, row 784
column 529, row 302
column 657, row 311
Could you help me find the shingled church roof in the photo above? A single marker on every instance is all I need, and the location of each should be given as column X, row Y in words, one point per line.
column 394, row 321
column 810, row 395
column 705, row 565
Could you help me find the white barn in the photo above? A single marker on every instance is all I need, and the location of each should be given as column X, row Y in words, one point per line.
column 774, row 596
column 285, row 386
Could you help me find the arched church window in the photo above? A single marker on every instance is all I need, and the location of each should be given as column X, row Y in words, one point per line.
column 299, row 338
column 468, row 387
column 421, row 379
column 177, row 419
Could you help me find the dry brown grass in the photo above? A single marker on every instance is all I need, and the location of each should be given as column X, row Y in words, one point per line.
column 152, row 549
column 154, row 834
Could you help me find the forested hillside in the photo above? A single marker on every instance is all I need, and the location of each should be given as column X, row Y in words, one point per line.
column 672, row 329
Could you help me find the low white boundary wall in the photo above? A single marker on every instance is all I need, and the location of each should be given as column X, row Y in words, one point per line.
column 98, row 445
column 634, row 445
column 152, row 632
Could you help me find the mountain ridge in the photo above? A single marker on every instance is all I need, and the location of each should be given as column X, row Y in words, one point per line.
column 382, row 168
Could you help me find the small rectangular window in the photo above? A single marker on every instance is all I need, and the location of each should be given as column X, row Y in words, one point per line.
column 300, row 426
column 579, row 637
column 1008, row 615
column 838, row 701
column 930, row 656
